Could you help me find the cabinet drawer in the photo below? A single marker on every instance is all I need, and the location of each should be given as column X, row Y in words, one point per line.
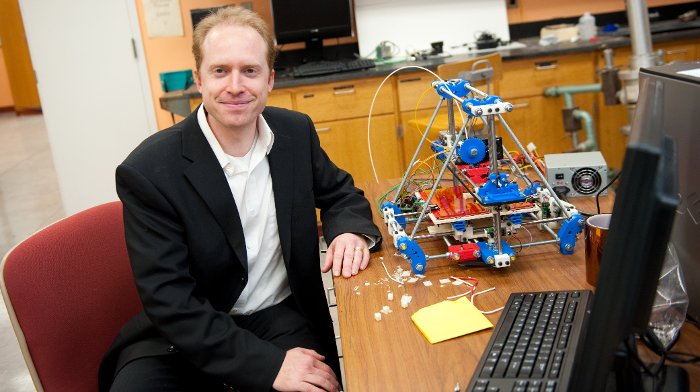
column 529, row 77
column 678, row 51
column 348, row 99
column 412, row 91
column 345, row 142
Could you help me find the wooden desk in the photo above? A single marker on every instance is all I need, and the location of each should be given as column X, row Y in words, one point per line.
column 392, row 354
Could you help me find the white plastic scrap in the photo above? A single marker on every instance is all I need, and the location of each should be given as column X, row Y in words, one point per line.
column 427, row 283
column 385, row 309
column 378, row 316
column 398, row 274
column 445, row 281
column 405, row 300
column 390, row 296
column 413, row 280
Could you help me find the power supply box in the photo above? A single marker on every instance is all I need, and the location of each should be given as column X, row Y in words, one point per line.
column 579, row 173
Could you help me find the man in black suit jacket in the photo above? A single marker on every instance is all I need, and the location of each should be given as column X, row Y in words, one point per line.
column 219, row 213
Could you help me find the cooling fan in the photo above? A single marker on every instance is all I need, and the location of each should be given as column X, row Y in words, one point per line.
column 580, row 173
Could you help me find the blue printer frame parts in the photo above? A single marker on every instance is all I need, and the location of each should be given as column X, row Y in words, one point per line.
column 484, row 207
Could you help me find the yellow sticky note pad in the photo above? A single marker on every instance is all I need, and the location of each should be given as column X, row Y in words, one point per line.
column 449, row 319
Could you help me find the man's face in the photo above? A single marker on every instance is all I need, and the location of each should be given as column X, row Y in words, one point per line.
column 234, row 77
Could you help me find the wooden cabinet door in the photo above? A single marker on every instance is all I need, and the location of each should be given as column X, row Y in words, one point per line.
column 613, row 118
column 280, row 99
column 414, row 124
column 345, row 142
column 613, row 140
column 538, row 120
column 17, row 59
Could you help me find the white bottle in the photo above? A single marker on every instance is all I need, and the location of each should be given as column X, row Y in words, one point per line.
column 586, row 26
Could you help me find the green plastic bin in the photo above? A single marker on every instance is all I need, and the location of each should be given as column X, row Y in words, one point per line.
column 176, row 80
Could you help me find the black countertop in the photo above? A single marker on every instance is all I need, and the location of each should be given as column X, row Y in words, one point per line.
column 532, row 49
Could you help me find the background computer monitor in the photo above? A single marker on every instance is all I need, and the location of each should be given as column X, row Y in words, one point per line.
column 311, row 21
column 641, row 224
column 197, row 14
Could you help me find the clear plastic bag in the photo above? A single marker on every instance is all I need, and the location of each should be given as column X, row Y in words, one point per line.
column 671, row 302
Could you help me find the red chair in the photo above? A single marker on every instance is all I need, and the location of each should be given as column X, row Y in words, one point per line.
column 69, row 289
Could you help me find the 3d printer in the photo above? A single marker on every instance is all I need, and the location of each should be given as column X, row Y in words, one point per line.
column 488, row 198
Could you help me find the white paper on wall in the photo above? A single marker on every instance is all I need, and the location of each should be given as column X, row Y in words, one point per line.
column 414, row 24
column 163, row 18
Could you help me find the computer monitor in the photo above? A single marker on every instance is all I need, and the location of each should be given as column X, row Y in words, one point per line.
column 635, row 248
column 681, row 97
column 197, row 14
column 311, row 21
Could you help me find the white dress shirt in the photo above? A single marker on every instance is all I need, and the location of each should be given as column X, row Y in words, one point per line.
column 251, row 186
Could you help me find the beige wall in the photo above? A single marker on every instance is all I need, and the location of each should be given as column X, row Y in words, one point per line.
column 165, row 54
column 6, row 100
column 535, row 10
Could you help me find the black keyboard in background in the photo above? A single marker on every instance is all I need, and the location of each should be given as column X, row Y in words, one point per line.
column 328, row 67
column 534, row 343
column 359, row 64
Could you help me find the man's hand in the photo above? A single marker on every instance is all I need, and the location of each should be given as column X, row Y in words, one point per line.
column 304, row 370
column 348, row 253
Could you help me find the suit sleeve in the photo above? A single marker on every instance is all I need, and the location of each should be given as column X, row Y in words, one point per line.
column 209, row 338
column 344, row 208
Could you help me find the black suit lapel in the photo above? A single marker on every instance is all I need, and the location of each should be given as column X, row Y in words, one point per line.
column 282, row 172
column 207, row 177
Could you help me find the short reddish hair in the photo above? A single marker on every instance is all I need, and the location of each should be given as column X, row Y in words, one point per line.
column 234, row 16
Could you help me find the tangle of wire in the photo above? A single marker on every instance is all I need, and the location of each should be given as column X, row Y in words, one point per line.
column 652, row 342
column 655, row 370
column 472, row 283
column 420, row 184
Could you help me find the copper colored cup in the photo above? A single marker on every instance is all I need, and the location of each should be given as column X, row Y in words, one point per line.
column 594, row 237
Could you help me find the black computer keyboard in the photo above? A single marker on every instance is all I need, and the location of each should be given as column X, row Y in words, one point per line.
column 534, row 343
column 328, row 67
